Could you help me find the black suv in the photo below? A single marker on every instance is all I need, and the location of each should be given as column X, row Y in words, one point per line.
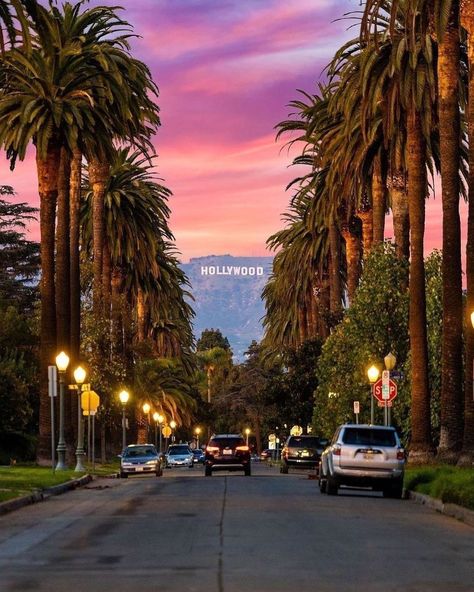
column 227, row 452
column 303, row 452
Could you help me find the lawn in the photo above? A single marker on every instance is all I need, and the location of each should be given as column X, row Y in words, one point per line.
column 449, row 484
column 16, row 481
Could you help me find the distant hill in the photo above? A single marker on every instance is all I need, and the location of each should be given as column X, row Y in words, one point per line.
column 227, row 292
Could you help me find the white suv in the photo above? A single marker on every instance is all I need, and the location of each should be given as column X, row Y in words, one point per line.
column 363, row 456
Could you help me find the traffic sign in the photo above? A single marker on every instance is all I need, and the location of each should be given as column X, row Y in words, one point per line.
column 377, row 391
column 356, row 407
column 166, row 431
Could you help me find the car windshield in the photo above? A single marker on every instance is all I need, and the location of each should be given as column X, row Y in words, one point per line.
column 139, row 451
column 227, row 442
column 368, row 437
column 299, row 442
column 197, row 452
column 178, row 450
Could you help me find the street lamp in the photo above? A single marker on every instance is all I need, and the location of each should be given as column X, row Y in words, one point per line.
column 156, row 417
column 247, row 433
column 124, row 396
column 146, row 410
column 373, row 373
column 161, row 419
column 79, row 377
column 390, row 362
column 197, row 431
column 173, row 427
column 62, row 362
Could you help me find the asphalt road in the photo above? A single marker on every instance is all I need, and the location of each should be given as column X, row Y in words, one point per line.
column 229, row 533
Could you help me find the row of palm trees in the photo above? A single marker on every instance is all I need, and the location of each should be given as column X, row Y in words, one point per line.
column 397, row 108
column 71, row 89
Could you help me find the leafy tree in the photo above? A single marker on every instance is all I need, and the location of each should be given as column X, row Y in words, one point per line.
column 19, row 258
column 212, row 338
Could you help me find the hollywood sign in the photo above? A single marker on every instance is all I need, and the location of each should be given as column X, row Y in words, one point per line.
column 231, row 270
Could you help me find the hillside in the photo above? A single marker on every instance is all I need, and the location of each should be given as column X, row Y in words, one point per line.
column 227, row 292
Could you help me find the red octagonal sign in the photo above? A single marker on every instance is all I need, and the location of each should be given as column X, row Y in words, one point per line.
column 377, row 390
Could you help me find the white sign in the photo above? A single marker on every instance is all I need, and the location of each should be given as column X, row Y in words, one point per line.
column 231, row 270
column 52, row 381
column 386, row 385
column 356, row 407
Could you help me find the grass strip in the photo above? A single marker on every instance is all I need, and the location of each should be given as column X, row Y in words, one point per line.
column 454, row 485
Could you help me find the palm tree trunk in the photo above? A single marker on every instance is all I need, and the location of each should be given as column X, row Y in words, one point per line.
column 141, row 315
column 420, row 446
column 98, row 177
column 63, row 309
column 353, row 249
column 335, row 272
column 450, row 126
column 467, row 454
column 366, row 217
column 74, row 238
column 107, row 291
column 401, row 224
column 117, row 325
column 302, row 324
column 47, row 170
column 379, row 190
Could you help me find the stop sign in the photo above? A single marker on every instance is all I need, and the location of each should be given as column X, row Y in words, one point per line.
column 377, row 390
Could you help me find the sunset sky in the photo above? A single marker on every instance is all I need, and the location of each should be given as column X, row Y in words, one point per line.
column 226, row 70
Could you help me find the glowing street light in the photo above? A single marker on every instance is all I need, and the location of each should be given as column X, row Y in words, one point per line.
column 373, row 374
column 124, row 396
column 197, row 431
column 79, row 377
column 247, row 433
column 62, row 362
column 146, row 410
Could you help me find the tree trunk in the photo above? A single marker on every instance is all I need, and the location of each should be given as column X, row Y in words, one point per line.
column 107, row 292
column 450, row 132
column 63, row 309
column 401, row 224
column 302, row 324
column 379, row 191
column 116, row 305
column 467, row 454
column 366, row 218
column 352, row 261
column 421, row 445
column 98, row 177
column 47, row 170
column 335, row 272
column 141, row 316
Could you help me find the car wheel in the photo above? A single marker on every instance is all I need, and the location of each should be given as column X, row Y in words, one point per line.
column 322, row 485
column 208, row 471
column 123, row 475
column 331, row 486
column 247, row 471
column 394, row 490
column 284, row 469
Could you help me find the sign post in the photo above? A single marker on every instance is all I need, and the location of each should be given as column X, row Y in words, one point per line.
column 357, row 410
column 384, row 397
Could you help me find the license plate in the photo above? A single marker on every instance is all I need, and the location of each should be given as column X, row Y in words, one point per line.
column 227, row 451
column 138, row 469
column 368, row 456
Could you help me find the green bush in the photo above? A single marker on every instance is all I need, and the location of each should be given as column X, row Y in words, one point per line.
column 18, row 446
column 449, row 484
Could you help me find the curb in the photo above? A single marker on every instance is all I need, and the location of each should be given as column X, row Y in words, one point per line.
column 452, row 510
column 43, row 494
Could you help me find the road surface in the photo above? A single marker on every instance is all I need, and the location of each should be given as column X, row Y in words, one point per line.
column 229, row 533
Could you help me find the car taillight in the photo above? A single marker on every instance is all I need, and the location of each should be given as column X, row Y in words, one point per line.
column 212, row 449
column 400, row 454
column 336, row 451
column 243, row 448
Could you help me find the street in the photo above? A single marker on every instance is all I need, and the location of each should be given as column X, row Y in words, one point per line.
column 229, row 533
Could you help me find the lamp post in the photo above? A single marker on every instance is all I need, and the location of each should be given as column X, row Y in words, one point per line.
column 79, row 377
column 62, row 362
column 146, row 410
column 156, row 416
column 124, row 396
column 373, row 373
column 161, row 419
column 173, row 427
column 247, row 433
column 390, row 362
column 197, row 431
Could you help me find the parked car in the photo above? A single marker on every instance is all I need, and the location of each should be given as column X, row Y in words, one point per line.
column 138, row 459
column 363, row 456
column 269, row 454
column 198, row 455
column 302, row 451
column 179, row 455
column 227, row 452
